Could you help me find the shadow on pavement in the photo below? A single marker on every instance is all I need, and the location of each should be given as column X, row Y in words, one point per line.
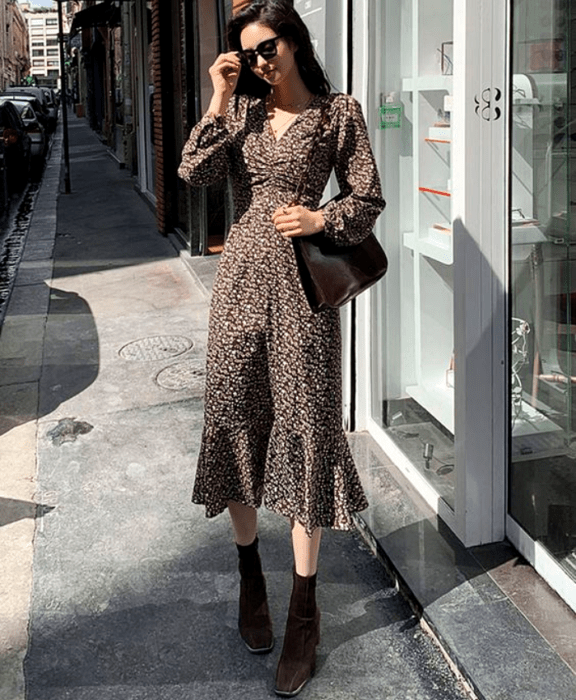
column 63, row 356
column 12, row 510
column 71, row 350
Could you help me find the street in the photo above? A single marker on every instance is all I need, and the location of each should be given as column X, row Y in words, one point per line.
column 14, row 223
column 124, row 588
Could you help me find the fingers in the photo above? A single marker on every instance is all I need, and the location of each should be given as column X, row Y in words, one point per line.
column 282, row 212
column 225, row 71
column 289, row 221
column 226, row 62
column 285, row 217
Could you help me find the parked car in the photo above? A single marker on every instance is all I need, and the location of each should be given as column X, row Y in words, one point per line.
column 36, row 105
column 29, row 110
column 17, row 147
column 52, row 103
column 37, row 92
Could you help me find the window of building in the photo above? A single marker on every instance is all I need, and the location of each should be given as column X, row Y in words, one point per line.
column 52, row 52
column 37, row 52
column 37, row 43
column 37, row 32
column 38, row 63
column 53, row 63
column 51, row 42
column 53, row 73
column 50, row 21
column 36, row 22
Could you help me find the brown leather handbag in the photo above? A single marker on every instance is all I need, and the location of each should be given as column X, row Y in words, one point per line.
column 331, row 274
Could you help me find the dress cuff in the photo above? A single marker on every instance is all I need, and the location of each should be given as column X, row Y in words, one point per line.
column 217, row 119
column 333, row 224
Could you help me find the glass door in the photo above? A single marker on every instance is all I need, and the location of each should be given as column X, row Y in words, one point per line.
column 542, row 476
column 413, row 343
column 438, row 381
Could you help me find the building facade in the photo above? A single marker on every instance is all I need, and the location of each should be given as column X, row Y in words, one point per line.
column 14, row 48
column 459, row 364
column 18, row 47
column 43, row 31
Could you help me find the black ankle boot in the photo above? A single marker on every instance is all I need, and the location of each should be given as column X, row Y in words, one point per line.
column 254, row 621
column 298, row 660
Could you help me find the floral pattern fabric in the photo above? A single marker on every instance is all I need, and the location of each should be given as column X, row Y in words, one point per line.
column 273, row 406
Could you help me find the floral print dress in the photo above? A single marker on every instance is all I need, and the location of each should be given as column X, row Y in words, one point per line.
column 273, row 406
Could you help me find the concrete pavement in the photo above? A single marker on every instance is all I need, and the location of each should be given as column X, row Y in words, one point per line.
column 115, row 585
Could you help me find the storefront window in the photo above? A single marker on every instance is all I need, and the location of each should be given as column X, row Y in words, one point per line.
column 412, row 314
column 542, row 480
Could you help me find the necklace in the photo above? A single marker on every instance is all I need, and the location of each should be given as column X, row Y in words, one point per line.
column 272, row 105
column 271, row 109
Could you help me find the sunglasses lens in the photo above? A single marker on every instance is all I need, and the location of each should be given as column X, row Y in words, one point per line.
column 268, row 50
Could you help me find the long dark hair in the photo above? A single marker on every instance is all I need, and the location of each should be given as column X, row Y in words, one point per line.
column 280, row 16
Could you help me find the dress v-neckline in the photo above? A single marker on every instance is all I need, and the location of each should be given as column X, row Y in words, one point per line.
column 273, row 136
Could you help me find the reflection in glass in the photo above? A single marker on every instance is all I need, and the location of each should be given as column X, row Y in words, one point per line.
column 543, row 251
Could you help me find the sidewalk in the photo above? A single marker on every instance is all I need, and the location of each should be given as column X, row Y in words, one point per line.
column 115, row 585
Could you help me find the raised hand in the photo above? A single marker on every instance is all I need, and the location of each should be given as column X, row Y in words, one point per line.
column 224, row 73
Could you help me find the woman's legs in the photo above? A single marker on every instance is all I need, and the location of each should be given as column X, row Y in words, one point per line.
column 244, row 522
column 305, row 548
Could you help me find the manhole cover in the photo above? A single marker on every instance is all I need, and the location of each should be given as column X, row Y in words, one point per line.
column 183, row 375
column 158, row 347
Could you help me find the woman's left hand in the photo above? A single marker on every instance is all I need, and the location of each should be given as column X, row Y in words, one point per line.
column 292, row 221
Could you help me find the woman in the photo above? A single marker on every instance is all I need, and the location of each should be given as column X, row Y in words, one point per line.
column 273, row 416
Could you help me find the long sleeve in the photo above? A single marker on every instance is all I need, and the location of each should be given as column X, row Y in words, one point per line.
column 205, row 156
column 350, row 217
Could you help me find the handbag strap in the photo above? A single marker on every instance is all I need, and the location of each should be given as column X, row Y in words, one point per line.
column 323, row 123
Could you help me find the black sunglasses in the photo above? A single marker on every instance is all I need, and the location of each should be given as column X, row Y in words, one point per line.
column 267, row 49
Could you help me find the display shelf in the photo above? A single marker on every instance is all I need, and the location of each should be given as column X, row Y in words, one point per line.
column 440, row 134
column 534, row 436
column 425, row 213
column 434, row 190
column 424, row 83
column 530, row 101
column 409, row 240
column 430, row 247
column 527, row 232
column 437, row 399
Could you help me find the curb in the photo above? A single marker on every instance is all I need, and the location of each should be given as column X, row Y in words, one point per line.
column 36, row 263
